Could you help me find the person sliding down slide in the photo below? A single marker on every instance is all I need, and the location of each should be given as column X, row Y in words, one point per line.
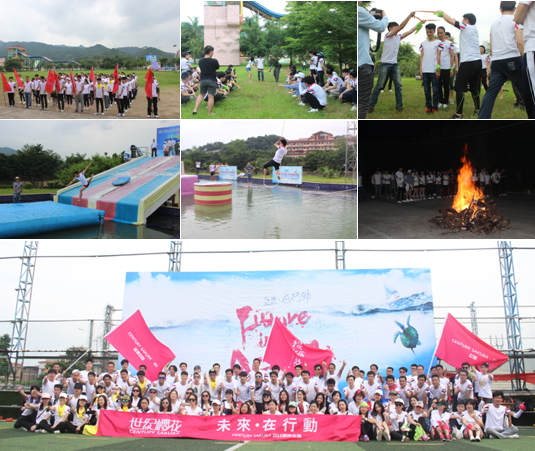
column 80, row 177
column 277, row 159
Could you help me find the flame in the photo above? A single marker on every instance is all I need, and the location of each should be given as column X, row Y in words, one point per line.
column 467, row 191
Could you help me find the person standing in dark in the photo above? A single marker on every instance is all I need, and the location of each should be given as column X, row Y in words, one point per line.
column 208, row 85
column 276, row 66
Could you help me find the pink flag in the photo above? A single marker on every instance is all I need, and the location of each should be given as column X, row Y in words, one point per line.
column 136, row 343
column 287, row 351
column 457, row 345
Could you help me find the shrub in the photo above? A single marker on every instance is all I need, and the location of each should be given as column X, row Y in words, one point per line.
column 28, row 185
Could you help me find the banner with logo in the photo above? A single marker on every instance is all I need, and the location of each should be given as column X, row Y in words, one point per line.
column 310, row 428
column 228, row 172
column 290, row 175
column 364, row 316
column 168, row 136
column 458, row 345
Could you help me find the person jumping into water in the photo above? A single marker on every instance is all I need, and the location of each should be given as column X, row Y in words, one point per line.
column 277, row 159
column 80, row 177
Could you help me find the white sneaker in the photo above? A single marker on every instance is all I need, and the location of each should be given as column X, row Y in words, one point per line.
column 96, row 113
column 514, row 436
column 382, row 92
column 445, row 106
column 386, row 436
column 379, row 436
column 123, row 114
column 155, row 117
column 301, row 103
column 440, row 105
column 148, row 117
column 313, row 110
column 390, row 90
column 294, row 95
column 354, row 108
column 102, row 114
column 399, row 201
column 439, row 197
column 452, row 102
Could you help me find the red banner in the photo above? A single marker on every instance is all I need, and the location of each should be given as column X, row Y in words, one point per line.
column 19, row 80
column 115, row 79
column 457, row 345
column 287, row 351
column 137, row 344
column 5, row 84
column 50, row 81
column 309, row 428
column 148, row 83
column 73, row 84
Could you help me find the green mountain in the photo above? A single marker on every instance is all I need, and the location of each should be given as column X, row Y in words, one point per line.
column 7, row 151
column 63, row 52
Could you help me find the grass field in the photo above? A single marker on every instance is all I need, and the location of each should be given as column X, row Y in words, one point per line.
column 164, row 78
column 414, row 105
column 306, row 178
column 9, row 191
column 266, row 100
column 11, row 440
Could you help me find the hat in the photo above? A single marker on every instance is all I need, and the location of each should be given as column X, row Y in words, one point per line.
column 216, row 401
column 197, row 367
column 45, row 396
column 300, row 75
column 212, row 371
column 359, row 392
column 378, row 392
column 78, row 385
column 75, row 371
column 393, row 392
column 16, row 178
column 419, row 404
column 63, row 395
column 84, row 397
column 126, row 398
column 101, row 384
column 399, row 400
column 153, row 388
column 292, row 403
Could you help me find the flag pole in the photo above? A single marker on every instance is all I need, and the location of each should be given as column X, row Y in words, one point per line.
column 78, row 359
column 274, row 318
column 438, row 343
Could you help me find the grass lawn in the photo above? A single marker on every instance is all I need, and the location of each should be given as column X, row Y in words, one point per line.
column 165, row 79
column 414, row 104
column 306, row 178
column 266, row 100
column 9, row 191
column 15, row 440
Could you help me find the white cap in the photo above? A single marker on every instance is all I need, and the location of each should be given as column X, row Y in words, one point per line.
column 216, row 401
column 300, row 75
column 378, row 392
column 63, row 395
column 75, row 371
column 84, row 397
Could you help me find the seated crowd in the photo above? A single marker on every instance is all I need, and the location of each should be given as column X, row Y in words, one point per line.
column 414, row 406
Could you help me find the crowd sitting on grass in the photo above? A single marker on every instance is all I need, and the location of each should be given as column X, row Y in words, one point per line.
column 414, row 406
column 309, row 92
column 81, row 91
column 411, row 186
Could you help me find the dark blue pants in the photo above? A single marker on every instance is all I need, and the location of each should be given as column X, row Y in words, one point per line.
column 528, row 83
column 501, row 71
column 431, row 100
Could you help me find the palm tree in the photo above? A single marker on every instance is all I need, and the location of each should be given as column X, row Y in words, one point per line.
column 195, row 35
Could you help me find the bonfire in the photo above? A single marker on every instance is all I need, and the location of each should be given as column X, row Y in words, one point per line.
column 470, row 211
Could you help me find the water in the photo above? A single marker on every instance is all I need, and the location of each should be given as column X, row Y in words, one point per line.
column 273, row 212
column 116, row 230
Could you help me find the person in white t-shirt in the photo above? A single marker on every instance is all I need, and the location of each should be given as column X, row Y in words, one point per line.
column 389, row 62
column 430, row 68
column 446, row 57
column 456, row 65
column 496, row 415
column 463, row 387
column 525, row 15
column 377, row 184
column 48, row 382
column 506, row 48
column 309, row 386
column 314, row 95
column 80, row 177
column 277, row 159
column 469, row 72
column 260, row 67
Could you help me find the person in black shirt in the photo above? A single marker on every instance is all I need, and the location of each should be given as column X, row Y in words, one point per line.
column 209, row 67
column 276, row 66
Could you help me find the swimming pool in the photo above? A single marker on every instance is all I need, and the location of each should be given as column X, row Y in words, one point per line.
column 280, row 212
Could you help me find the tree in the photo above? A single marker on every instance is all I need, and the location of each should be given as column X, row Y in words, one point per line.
column 5, row 342
column 253, row 37
column 192, row 37
column 34, row 161
column 71, row 355
column 13, row 63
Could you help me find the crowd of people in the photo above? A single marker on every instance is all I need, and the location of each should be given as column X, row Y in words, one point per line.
column 82, row 94
column 213, row 85
column 415, row 405
column 444, row 66
column 410, row 186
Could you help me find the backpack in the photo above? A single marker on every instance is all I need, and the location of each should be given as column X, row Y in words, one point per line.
column 528, row 402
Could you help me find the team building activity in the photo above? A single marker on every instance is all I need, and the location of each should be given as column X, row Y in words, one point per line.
column 448, row 70
column 411, row 186
column 82, row 92
column 209, row 83
column 416, row 406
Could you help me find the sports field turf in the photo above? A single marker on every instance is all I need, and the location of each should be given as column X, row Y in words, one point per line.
column 414, row 104
column 11, row 439
column 265, row 100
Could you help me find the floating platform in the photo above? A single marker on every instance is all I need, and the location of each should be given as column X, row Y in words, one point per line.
column 152, row 182
column 187, row 184
column 23, row 220
column 213, row 193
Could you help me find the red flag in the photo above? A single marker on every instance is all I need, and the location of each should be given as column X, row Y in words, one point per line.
column 19, row 80
column 50, row 81
column 286, row 350
column 148, row 84
column 92, row 77
column 116, row 79
column 136, row 343
column 5, row 85
column 457, row 345
column 73, row 84
column 56, row 82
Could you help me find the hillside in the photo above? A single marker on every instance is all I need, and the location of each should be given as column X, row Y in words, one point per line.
column 63, row 52
column 7, row 151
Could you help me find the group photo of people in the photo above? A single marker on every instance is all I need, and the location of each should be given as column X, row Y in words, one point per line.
column 487, row 52
column 413, row 405
column 413, row 185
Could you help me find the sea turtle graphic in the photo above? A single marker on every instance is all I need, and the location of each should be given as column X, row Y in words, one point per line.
column 409, row 336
